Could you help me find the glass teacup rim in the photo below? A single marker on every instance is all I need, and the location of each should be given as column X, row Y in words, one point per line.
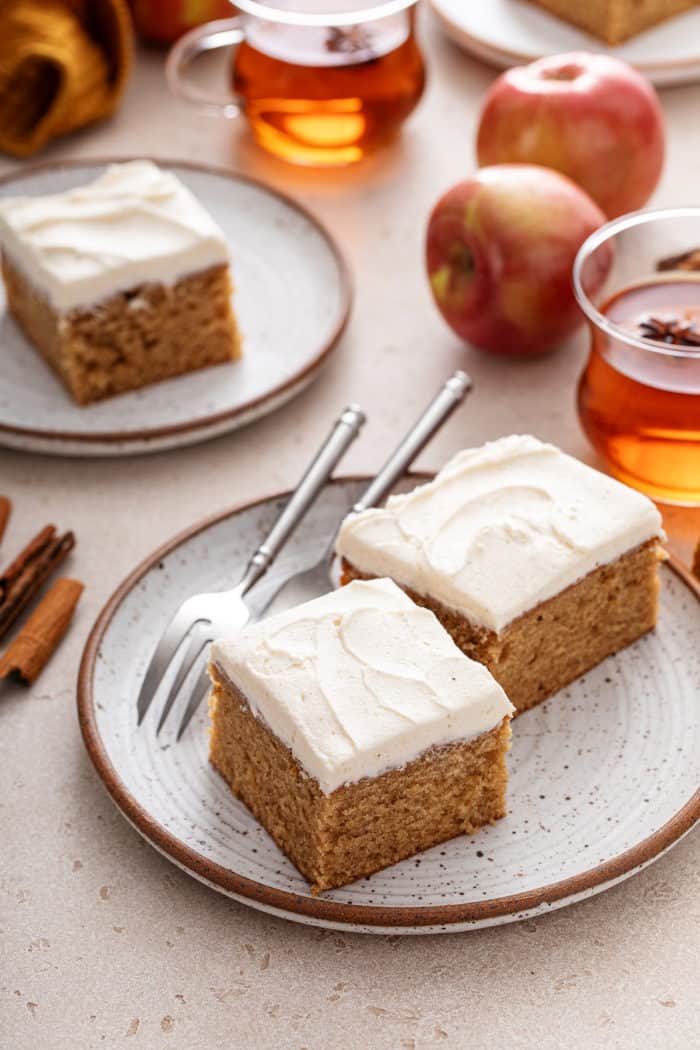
column 373, row 11
column 600, row 236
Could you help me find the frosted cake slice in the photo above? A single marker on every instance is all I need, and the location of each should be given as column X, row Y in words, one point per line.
column 119, row 283
column 357, row 732
column 537, row 565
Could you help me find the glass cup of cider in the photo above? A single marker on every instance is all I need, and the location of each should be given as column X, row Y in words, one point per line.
column 639, row 396
column 320, row 82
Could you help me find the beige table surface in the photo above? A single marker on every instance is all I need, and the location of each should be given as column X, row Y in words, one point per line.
column 102, row 941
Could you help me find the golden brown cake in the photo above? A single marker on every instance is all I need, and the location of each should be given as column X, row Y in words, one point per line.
column 120, row 283
column 357, row 733
column 538, row 566
column 615, row 20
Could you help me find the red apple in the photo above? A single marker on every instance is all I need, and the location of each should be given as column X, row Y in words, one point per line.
column 499, row 252
column 592, row 117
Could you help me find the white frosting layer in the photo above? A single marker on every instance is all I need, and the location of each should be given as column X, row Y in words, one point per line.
column 360, row 681
column 500, row 529
column 133, row 225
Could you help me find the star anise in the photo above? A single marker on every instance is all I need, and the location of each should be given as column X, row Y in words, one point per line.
column 347, row 40
column 676, row 331
column 689, row 260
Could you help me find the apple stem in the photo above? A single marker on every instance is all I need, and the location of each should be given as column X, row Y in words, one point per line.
column 565, row 73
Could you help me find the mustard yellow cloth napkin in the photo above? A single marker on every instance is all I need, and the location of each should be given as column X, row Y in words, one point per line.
column 63, row 64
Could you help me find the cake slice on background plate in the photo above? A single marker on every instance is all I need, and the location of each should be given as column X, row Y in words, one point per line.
column 615, row 21
column 537, row 565
column 119, row 283
column 357, row 733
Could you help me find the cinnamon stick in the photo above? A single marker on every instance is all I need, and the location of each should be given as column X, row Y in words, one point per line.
column 5, row 511
column 23, row 578
column 36, row 643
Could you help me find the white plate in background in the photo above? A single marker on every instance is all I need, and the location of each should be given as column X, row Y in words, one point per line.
column 292, row 296
column 506, row 33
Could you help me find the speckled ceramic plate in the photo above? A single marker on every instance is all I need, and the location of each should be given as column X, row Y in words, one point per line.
column 292, row 298
column 604, row 776
column 509, row 32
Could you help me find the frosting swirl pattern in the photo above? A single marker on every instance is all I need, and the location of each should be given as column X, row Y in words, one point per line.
column 360, row 681
column 500, row 529
column 133, row 225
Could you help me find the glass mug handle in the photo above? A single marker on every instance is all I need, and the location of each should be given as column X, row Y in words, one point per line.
column 226, row 32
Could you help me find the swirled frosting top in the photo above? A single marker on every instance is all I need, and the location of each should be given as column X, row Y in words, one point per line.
column 500, row 529
column 360, row 681
column 132, row 225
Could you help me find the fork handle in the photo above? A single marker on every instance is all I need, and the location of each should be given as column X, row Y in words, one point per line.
column 441, row 407
column 346, row 429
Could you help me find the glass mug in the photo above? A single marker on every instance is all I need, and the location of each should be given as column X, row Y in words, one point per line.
column 639, row 396
column 321, row 82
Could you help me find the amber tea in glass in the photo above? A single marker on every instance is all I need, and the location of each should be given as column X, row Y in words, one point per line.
column 321, row 82
column 639, row 396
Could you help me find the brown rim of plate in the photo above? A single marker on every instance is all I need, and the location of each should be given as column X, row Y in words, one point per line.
column 299, row 379
column 317, row 907
column 516, row 57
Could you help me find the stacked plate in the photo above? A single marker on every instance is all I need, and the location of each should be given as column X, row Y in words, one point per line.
column 510, row 32
column 292, row 296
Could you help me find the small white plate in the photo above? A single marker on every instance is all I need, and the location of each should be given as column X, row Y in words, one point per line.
column 509, row 32
column 604, row 776
column 292, row 298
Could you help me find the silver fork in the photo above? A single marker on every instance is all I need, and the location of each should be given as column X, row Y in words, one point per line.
column 310, row 583
column 204, row 617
